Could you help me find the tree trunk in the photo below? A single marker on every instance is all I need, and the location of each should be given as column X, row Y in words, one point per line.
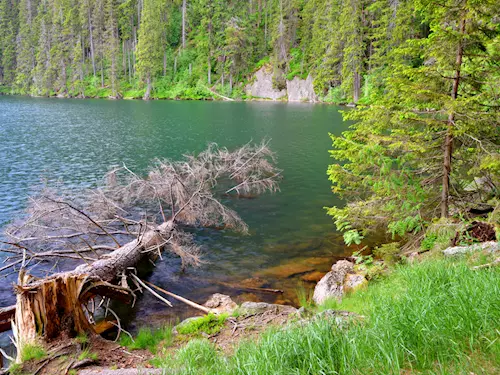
column 209, row 71
column 183, row 24
column 448, row 142
column 51, row 307
column 147, row 94
column 357, row 87
column 91, row 44
column 164, row 63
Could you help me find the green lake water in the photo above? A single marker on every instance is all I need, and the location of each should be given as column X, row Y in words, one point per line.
column 75, row 141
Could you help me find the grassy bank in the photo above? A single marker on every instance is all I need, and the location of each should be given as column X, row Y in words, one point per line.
column 434, row 317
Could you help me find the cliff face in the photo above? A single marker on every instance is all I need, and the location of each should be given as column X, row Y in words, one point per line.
column 262, row 86
column 301, row 90
column 297, row 90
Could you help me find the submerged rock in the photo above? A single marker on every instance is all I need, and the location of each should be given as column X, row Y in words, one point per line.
column 287, row 270
column 332, row 284
column 491, row 247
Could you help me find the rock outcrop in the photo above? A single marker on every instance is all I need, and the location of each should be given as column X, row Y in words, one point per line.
column 301, row 90
column 262, row 86
column 297, row 90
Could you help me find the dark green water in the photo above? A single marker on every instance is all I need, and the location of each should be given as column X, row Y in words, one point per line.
column 77, row 140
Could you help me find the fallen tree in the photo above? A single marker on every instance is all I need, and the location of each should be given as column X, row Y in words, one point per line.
column 110, row 229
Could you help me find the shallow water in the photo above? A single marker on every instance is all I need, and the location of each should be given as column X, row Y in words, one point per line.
column 75, row 141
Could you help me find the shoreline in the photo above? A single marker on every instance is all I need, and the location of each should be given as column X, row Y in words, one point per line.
column 212, row 99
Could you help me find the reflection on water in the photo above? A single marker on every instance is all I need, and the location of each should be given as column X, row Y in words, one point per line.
column 77, row 140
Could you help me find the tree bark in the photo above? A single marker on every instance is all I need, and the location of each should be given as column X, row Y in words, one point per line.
column 91, row 43
column 147, row 94
column 183, row 24
column 448, row 141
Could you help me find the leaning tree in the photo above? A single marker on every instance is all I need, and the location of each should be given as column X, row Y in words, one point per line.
column 109, row 229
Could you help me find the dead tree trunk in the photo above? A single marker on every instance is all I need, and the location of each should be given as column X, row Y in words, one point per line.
column 59, row 305
column 53, row 307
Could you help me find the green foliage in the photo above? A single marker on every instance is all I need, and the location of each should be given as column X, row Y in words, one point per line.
column 209, row 324
column 82, row 339
column 352, row 237
column 388, row 252
column 389, row 166
column 305, row 296
column 296, row 65
column 15, row 369
column 87, row 354
column 32, row 351
column 432, row 317
column 148, row 338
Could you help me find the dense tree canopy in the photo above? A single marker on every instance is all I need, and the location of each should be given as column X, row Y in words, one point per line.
column 428, row 146
column 176, row 48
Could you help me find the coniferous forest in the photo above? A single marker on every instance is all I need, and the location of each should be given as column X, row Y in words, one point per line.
column 415, row 175
column 185, row 48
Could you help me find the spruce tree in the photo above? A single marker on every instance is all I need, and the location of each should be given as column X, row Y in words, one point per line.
column 409, row 157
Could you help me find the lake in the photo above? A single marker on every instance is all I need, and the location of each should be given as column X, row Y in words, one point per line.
column 75, row 141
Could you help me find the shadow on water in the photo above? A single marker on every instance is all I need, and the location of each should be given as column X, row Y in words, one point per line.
column 291, row 240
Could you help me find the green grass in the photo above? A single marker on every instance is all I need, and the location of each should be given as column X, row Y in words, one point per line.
column 209, row 324
column 434, row 317
column 87, row 354
column 149, row 339
column 33, row 351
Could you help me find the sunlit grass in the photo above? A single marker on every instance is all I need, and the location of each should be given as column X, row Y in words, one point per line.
column 435, row 317
column 148, row 338
column 32, row 351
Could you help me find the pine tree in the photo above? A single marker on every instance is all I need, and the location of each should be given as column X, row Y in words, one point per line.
column 149, row 48
column 112, row 46
column 409, row 157
column 25, row 46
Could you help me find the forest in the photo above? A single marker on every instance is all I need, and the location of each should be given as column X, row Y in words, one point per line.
column 187, row 49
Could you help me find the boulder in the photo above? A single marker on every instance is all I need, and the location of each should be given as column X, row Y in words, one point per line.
column 490, row 246
column 221, row 303
column 332, row 284
column 354, row 282
column 300, row 90
column 262, row 86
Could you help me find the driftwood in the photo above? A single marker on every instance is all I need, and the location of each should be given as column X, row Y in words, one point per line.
column 111, row 229
column 251, row 289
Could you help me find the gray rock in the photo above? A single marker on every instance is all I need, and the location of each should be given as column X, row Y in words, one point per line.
column 491, row 247
column 254, row 308
column 332, row 284
column 221, row 303
column 262, row 86
column 300, row 90
column 354, row 281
